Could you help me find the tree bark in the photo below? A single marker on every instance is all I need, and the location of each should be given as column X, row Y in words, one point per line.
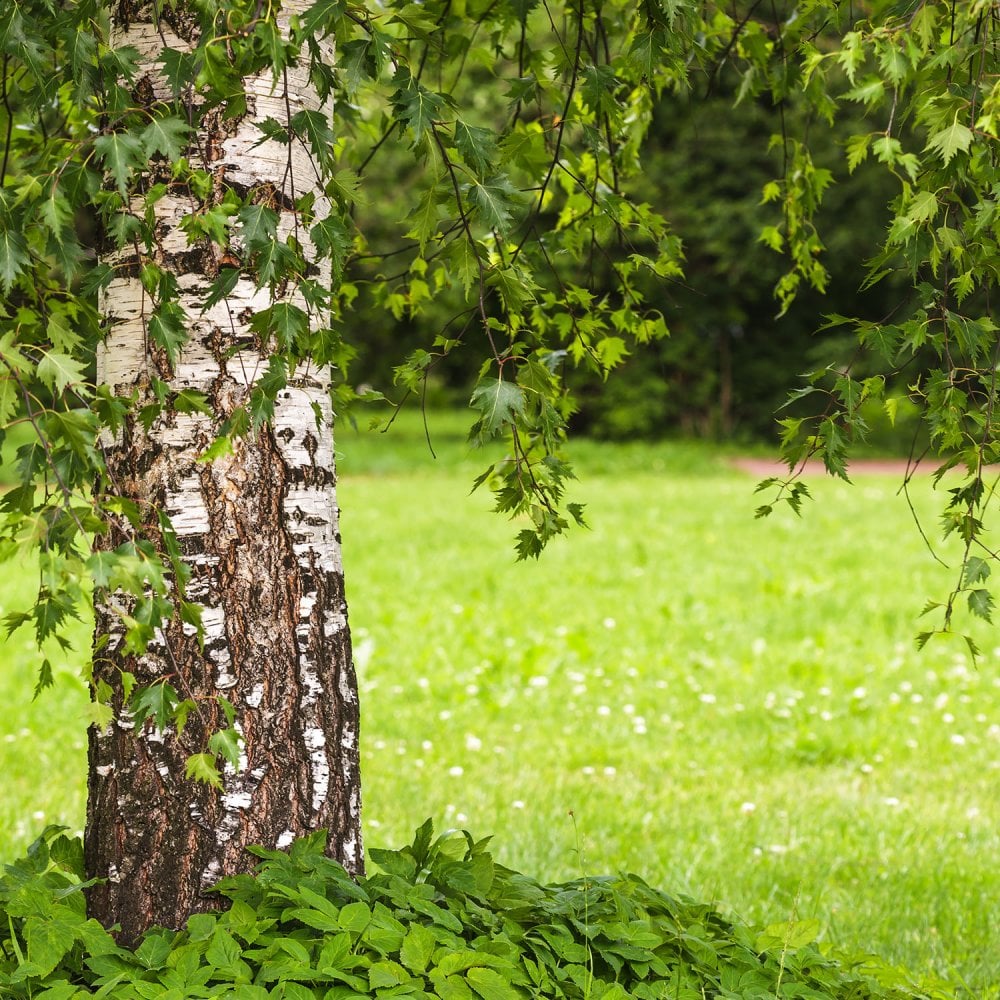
column 258, row 529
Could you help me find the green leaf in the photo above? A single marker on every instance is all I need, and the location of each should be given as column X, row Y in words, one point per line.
column 156, row 701
column 13, row 255
column 165, row 136
column 314, row 128
column 418, row 948
column 976, row 570
column 496, row 201
column 122, row 154
column 498, row 402
column 950, row 141
column 258, row 225
column 332, row 238
column 221, row 287
column 168, row 328
column 490, row 985
column 226, row 744
column 981, row 603
column 478, row 147
column 201, row 767
column 57, row 370
column 415, row 105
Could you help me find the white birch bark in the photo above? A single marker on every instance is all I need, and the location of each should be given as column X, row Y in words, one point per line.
column 259, row 529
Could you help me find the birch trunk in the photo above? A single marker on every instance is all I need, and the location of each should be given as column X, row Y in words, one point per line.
column 258, row 529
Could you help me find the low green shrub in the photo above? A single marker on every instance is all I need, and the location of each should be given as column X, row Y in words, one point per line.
column 440, row 919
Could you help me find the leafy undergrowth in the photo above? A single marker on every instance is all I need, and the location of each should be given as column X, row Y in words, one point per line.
column 440, row 919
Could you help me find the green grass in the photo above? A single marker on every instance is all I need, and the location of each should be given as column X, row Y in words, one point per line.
column 734, row 709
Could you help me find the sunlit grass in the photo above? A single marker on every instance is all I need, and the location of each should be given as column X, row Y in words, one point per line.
column 732, row 708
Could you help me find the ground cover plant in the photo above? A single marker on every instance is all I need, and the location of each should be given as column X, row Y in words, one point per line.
column 439, row 920
column 730, row 718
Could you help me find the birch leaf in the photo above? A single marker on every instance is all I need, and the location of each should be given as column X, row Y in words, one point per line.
column 58, row 370
column 201, row 767
column 477, row 146
column 498, row 402
column 495, row 201
column 122, row 155
column 166, row 136
column 956, row 138
column 13, row 256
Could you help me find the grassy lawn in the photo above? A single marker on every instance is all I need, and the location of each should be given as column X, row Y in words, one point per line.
column 734, row 709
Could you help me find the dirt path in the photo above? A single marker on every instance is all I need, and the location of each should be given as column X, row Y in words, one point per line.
column 761, row 468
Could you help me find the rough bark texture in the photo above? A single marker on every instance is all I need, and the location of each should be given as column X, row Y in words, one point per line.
column 259, row 530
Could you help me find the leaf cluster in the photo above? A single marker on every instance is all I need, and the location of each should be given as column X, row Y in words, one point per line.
column 440, row 919
column 926, row 83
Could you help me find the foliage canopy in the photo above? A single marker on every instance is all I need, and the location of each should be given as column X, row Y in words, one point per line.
column 523, row 123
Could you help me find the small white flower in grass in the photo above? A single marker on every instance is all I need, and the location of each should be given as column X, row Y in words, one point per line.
column 603, row 710
column 473, row 742
column 980, row 717
column 38, row 815
column 891, row 801
column 958, row 739
column 610, row 771
column 579, row 689
column 894, row 698
column 947, row 718
column 444, row 715
column 461, row 818
column 516, row 727
column 472, row 689
column 758, row 646
column 972, row 812
column 706, row 699
column 866, row 769
column 993, row 732
column 374, row 824
column 517, row 804
column 457, row 771
column 401, row 751
column 426, row 745
column 423, row 683
column 587, row 769
column 539, row 682
column 379, row 744
column 825, row 692
column 912, row 744
column 419, row 762
column 747, row 808
column 10, row 738
column 940, row 701
column 609, row 623
column 640, row 729
column 457, row 609
column 859, row 692
column 826, row 716
column 916, row 698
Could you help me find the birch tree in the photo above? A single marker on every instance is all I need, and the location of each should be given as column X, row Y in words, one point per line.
column 263, row 669
column 178, row 260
